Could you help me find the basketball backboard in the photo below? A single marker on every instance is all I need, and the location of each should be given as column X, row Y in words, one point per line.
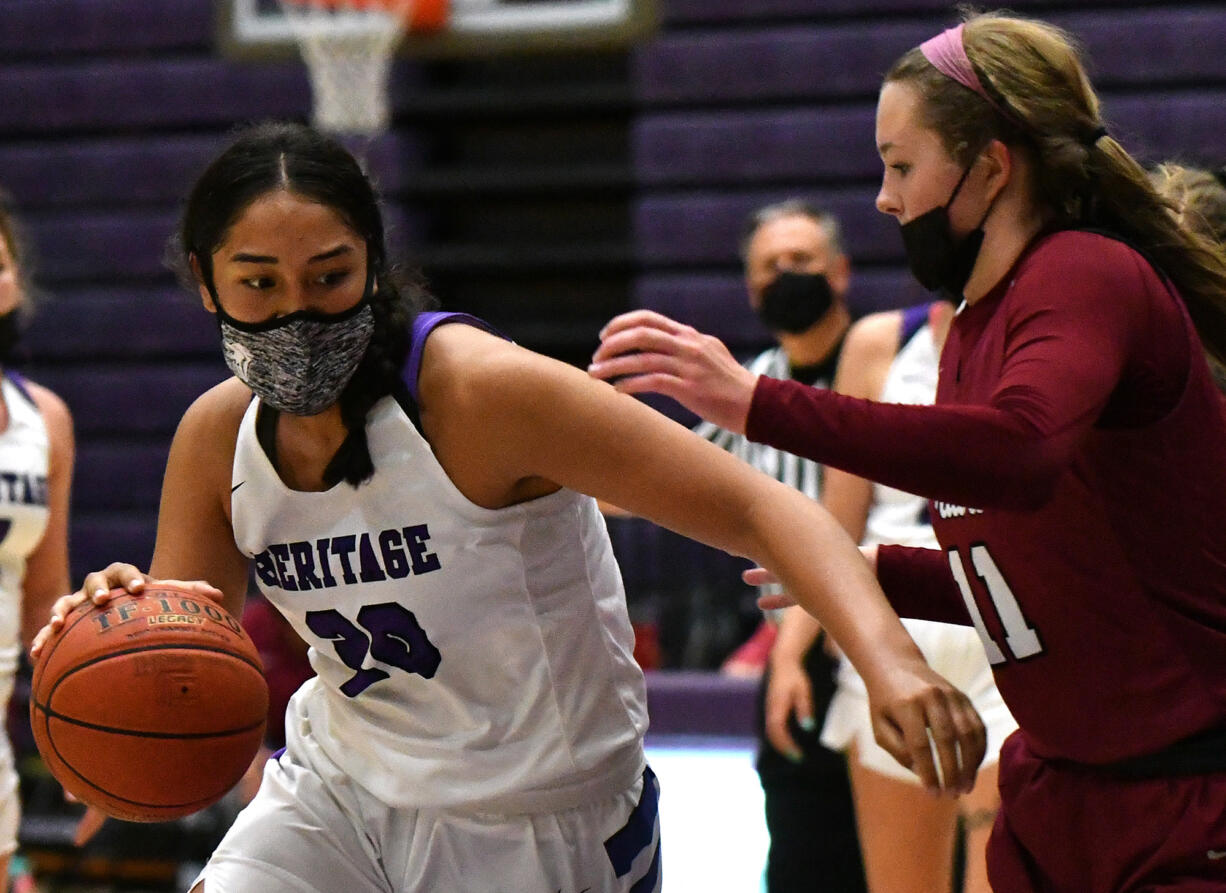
column 258, row 28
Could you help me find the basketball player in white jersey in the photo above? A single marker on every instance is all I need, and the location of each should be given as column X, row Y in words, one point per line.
column 407, row 488
column 36, row 460
column 907, row 837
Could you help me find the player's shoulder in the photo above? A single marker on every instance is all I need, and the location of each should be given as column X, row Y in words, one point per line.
column 462, row 362
column 873, row 337
column 217, row 413
column 48, row 403
column 1074, row 256
column 868, row 350
column 54, row 412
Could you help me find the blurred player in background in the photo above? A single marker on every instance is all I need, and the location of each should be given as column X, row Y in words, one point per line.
column 36, row 461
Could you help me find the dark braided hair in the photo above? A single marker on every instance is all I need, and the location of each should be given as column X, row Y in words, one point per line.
column 268, row 157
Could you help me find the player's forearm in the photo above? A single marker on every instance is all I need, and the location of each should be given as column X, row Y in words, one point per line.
column 823, row 571
column 919, row 584
column 974, row 456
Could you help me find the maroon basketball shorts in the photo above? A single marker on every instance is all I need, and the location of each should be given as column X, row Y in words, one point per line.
column 1072, row 829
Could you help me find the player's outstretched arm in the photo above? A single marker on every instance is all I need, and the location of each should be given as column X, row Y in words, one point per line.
column 646, row 352
column 513, row 416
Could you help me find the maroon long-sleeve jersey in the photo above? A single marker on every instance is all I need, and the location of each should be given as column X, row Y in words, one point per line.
column 1076, row 463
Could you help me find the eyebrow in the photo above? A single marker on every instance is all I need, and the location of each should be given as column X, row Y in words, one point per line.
column 884, row 147
column 243, row 257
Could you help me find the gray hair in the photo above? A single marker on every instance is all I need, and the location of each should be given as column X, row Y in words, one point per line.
column 792, row 207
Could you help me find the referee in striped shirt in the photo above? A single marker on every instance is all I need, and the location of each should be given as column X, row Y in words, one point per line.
column 797, row 277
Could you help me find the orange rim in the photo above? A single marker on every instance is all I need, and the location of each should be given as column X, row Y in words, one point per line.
column 424, row 15
column 428, row 15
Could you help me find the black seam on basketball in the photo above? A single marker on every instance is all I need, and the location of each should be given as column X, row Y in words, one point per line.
column 136, row 733
column 198, row 803
column 43, row 705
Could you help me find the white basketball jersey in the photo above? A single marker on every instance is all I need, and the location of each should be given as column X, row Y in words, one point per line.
column 896, row 516
column 466, row 657
column 24, row 456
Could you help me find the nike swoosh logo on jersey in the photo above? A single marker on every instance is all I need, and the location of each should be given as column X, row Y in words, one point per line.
column 1214, row 855
column 236, row 486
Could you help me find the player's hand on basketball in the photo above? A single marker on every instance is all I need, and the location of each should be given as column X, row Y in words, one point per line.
column 788, row 694
column 645, row 352
column 928, row 725
column 100, row 586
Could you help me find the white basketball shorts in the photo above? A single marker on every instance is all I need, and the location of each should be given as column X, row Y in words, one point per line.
column 311, row 830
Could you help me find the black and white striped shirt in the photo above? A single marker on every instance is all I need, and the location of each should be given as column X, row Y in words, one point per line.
column 800, row 474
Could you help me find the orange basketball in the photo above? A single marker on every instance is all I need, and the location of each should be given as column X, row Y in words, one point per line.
column 150, row 707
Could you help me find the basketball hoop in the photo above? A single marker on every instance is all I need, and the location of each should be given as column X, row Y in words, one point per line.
column 347, row 46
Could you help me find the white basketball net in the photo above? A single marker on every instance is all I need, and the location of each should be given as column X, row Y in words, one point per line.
column 348, row 50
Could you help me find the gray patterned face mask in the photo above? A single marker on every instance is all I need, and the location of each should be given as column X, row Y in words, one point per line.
column 298, row 363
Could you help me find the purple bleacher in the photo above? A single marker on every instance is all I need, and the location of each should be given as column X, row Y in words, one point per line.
column 686, row 12
column 129, row 171
column 118, row 475
column 121, row 95
column 123, row 171
column 1187, row 124
column 136, row 398
column 795, row 62
column 82, row 26
column 749, row 146
column 1151, row 48
column 805, row 144
column 634, row 538
column 96, row 245
column 100, row 537
column 693, row 229
column 785, row 62
column 714, row 303
column 127, row 244
column 111, row 95
column 691, row 703
column 47, row 27
column 161, row 320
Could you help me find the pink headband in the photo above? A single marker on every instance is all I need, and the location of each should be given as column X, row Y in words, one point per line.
column 947, row 54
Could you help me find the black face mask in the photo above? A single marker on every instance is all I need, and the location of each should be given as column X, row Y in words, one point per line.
column 939, row 260
column 794, row 302
column 10, row 335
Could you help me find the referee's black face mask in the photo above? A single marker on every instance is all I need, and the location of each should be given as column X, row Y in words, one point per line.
column 794, row 301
